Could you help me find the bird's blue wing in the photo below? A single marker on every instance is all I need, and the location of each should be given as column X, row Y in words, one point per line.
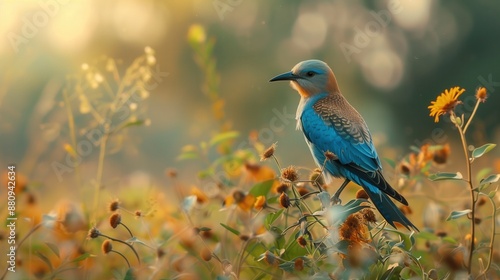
column 341, row 131
column 333, row 125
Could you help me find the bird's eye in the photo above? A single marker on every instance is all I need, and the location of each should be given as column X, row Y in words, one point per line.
column 310, row 74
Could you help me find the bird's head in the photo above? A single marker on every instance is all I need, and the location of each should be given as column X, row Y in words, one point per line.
column 310, row 77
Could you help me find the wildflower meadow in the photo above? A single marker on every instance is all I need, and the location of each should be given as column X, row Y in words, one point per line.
column 233, row 202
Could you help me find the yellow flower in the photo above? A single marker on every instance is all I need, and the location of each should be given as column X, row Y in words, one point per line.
column 445, row 103
column 260, row 202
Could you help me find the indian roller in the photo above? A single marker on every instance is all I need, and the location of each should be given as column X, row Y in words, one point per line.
column 338, row 137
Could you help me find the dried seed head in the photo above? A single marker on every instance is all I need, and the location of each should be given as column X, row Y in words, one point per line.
column 269, row 152
column 270, row 258
column 93, row 233
column 31, row 199
column 477, row 220
column 115, row 220
column 330, row 156
column 206, row 234
column 302, row 191
column 205, row 254
column 299, row 264
column 106, row 246
column 369, row 215
column 481, row 201
column 441, row 155
column 481, row 94
column 160, row 253
column 302, row 241
column 244, row 237
column 361, row 194
column 441, row 233
column 281, row 188
column 284, row 200
column 290, row 173
column 171, row 173
column 404, row 168
column 138, row 213
column 238, row 196
column 316, row 176
column 114, row 205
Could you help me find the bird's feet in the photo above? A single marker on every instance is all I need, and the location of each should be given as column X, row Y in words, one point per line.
column 336, row 200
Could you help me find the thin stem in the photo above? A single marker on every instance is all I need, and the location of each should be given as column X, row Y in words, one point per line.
column 123, row 242
column 492, row 240
column 131, row 235
column 100, row 168
column 71, row 125
column 122, row 257
column 472, row 196
column 471, row 116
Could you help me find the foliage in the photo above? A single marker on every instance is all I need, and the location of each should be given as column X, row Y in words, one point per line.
column 248, row 217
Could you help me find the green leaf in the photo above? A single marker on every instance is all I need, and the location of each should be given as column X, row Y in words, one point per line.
column 133, row 123
column 445, row 176
column 271, row 217
column 287, row 266
column 129, row 275
column 261, row 188
column 483, row 172
column 478, row 152
column 188, row 152
column 457, row 214
column 45, row 260
column 221, row 137
column 391, row 162
column 425, row 235
column 490, row 179
column 406, row 240
column 234, row 231
column 492, row 193
column 54, row 248
column 82, row 257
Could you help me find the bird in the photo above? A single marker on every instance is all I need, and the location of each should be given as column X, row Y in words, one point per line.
column 339, row 139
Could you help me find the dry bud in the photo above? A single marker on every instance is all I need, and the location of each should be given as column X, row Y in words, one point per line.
column 369, row 216
column 441, row 155
column 481, row 201
column 299, row 264
column 115, row 220
column 290, row 173
column 269, row 152
column 205, row 254
column 281, row 188
column 330, row 156
column 106, row 246
column 284, row 200
column 302, row 241
column 114, row 205
column 93, row 233
column 481, row 94
column 361, row 194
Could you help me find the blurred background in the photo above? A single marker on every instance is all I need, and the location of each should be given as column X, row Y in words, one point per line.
column 391, row 58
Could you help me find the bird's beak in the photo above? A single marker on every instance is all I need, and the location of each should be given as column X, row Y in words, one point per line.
column 288, row 76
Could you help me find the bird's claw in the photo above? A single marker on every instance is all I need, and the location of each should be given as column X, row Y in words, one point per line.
column 336, row 200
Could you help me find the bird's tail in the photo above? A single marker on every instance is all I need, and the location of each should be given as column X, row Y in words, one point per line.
column 386, row 207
